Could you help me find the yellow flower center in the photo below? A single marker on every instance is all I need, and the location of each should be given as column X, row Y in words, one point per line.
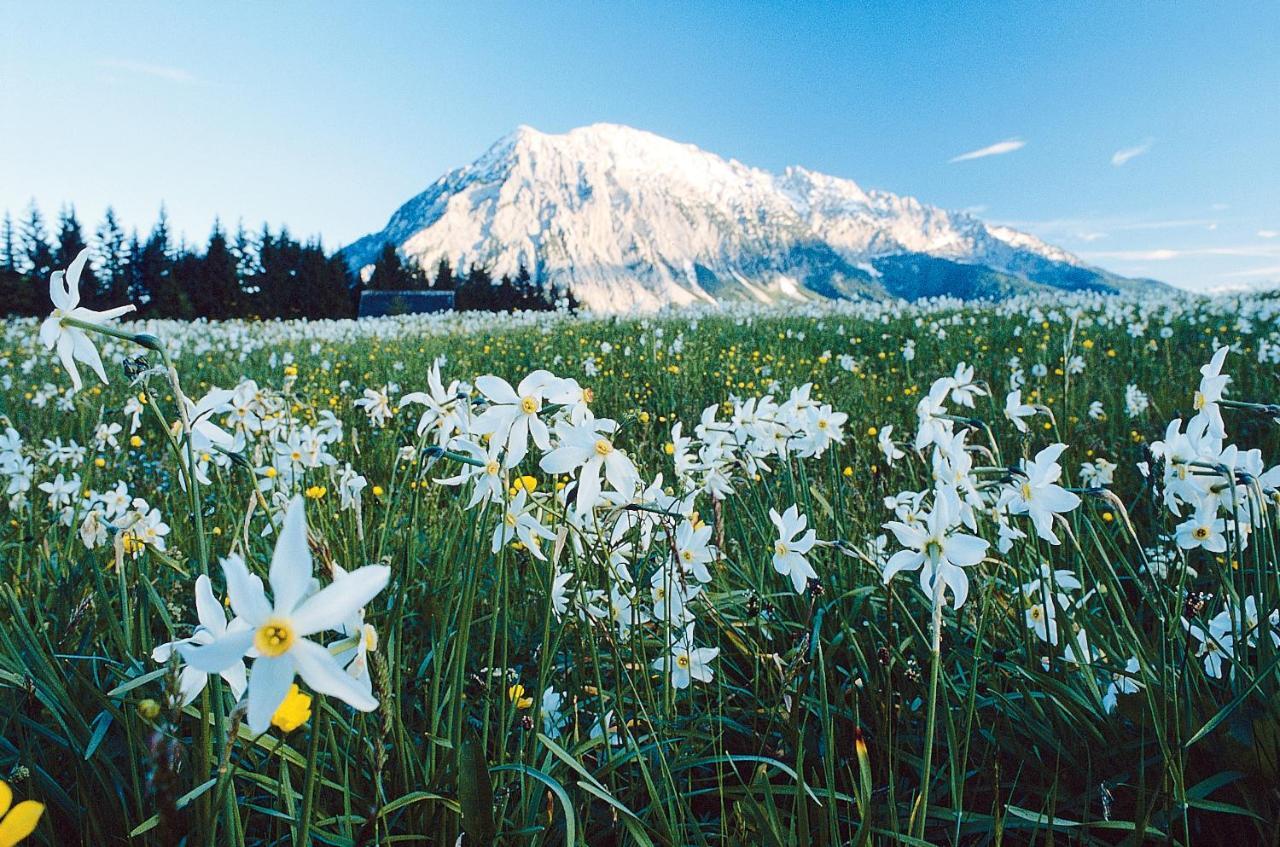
column 1200, row 533
column 529, row 405
column 1026, row 491
column 1037, row 613
column 510, row 519
column 1199, row 401
column 682, row 661
column 492, row 467
column 603, row 447
column 687, row 555
column 274, row 638
column 780, row 548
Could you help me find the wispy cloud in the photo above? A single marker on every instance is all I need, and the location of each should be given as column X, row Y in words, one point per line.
column 1268, row 233
column 1120, row 157
column 1268, row 271
column 165, row 72
column 1166, row 254
column 997, row 149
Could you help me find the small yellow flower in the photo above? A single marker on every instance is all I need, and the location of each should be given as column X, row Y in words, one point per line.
column 524, row 483
column 848, row 470
column 290, row 370
column 135, row 441
column 316, row 492
column 669, row 448
column 293, row 712
column 643, row 417
column 1108, row 517
column 18, row 821
column 377, row 491
column 270, row 473
column 99, row 462
column 872, row 431
column 516, row 694
column 1088, row 344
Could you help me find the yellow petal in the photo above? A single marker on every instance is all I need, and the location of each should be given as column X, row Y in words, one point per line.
column 20, row 822
column 6, row 797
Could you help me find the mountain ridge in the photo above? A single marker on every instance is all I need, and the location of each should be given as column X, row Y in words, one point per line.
column 630, row 220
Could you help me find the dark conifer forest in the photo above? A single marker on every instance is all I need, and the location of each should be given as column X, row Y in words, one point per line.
column 240, row 274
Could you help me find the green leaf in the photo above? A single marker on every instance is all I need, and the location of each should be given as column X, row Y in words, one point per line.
column 475, row 792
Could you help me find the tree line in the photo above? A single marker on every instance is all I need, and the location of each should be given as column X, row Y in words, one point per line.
column 262, row 274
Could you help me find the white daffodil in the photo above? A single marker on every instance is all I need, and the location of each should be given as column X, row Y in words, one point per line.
column 688, row 662
column 377, row 405
column 519, row 523
column 884, row 440
column 1038, row 495
column 1212, row 383
column 1015, row 410
column 1203, row 529
column 937, row 551
column 789, row 551
column 1122, row 683
column 963, row 388
column 512, row 417
column 587, row 449
column 213, row 625
column 446, row 409
column 71, row 342
column 277, row 630
column 694, row 550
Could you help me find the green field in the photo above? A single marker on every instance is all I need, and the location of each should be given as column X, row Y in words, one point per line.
column 1115, row 687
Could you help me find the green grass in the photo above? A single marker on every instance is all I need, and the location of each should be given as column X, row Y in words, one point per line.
column 767, row 753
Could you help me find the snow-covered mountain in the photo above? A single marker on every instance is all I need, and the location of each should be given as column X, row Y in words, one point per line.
column 631, row 220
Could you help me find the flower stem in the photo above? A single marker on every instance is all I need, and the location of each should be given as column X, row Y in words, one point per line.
column 935, row 662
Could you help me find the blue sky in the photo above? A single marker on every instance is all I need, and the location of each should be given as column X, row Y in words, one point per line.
column 1143, row 136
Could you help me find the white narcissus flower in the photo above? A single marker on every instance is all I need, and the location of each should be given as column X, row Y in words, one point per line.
column 963, row 388
column 688, row 662
column 587, row 449
column 377, row 405
column 937, row 551
column 1122, row 683
column 512, row 417
column 71, row 342
column 277, row 629
column 1203, row 529
column 1212, row 383
column 884, row 440
column 789, row 551
column 1015, row 410
column 518, row 523
column 694, row 550
column 213, row 625
column 1038, row 495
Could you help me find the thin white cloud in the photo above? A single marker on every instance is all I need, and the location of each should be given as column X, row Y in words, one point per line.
column 1268, row 233
column 1268, row 271
column 1165, row 254
column 997, row 149
column 1120, row 157
column 165, row 72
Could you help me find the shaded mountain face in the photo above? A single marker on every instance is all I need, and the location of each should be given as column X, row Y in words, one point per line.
column 632, row 221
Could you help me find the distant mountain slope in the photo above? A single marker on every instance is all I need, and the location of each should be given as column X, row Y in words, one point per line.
column 631, row 220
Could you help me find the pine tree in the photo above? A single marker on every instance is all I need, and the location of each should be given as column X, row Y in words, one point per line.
column 444, row 276
column 113, row 261
column 14, row 289
column 36, row 252
column 389, row 272
column 215, row 289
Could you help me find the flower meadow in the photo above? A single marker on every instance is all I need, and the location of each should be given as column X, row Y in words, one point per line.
column 849, row 573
